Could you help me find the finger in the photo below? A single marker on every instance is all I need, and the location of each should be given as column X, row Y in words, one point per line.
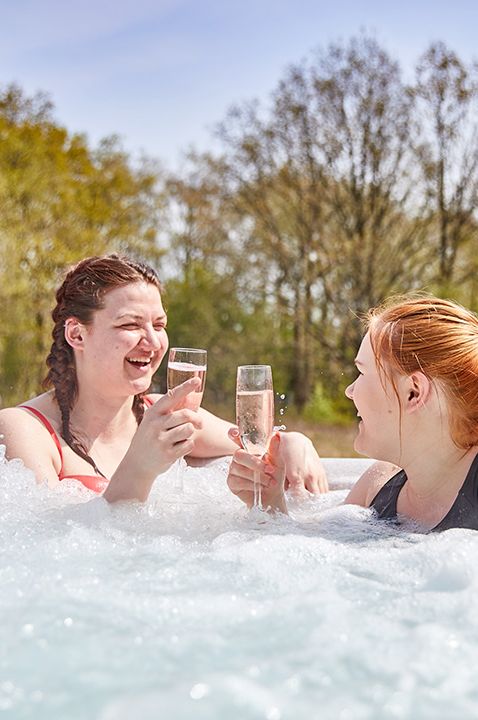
column 323, row 483
column 183, row 447
column 242, row 482
column 317, row 483
column 176, row 395
column 247, row 462
column 311, row 484
column 272, row 453
column 296, row 483
column 181, row 417
column 180, row 432
column 233, row 434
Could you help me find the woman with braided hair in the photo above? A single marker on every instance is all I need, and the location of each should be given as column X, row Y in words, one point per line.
column 97, row 423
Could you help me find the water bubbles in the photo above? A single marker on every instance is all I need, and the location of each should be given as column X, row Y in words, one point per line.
column 207, row 608
column 199, row 691
column 281, row 404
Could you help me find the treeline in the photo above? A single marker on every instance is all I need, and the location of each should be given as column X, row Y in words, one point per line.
column 348, row 186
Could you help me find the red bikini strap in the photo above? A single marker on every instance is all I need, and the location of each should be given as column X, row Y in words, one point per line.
column 48, row 426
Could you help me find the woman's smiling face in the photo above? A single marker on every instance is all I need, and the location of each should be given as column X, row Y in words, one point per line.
column 126, row 341
column 377, row 406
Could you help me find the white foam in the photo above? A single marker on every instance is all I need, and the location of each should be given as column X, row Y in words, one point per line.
column 190, row 607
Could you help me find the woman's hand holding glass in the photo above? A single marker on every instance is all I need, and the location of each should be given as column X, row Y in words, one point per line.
column 291, row 455
column 248, row 472
column 165, row 434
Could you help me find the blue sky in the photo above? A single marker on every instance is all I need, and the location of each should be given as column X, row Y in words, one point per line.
column 162, row 73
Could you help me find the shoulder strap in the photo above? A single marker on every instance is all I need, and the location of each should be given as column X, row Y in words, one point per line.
column 47, row 424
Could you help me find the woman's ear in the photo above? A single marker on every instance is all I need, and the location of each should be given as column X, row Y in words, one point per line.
column 74, row 331
column 418, row 391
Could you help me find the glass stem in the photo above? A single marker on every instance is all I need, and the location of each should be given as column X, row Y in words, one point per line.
column 178, row 479
column 257, row 492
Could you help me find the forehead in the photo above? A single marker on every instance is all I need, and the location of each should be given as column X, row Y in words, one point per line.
column 135, row 298
column 365, row 354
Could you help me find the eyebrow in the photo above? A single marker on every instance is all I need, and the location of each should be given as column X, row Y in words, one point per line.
column 358, row 362
column 135, row 316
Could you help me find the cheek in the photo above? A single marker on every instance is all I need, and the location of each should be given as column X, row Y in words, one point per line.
column 164, row 341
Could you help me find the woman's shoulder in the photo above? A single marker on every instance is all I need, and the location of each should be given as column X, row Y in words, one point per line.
column 370, row 482
column 31, row 438
column 18, row 415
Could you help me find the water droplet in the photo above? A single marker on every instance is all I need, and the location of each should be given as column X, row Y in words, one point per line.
column 199, row 691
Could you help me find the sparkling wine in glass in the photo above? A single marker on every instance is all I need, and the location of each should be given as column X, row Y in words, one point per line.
column 184, row 364
column 255, row 412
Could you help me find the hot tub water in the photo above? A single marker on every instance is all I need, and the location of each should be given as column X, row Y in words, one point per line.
column 191, row 607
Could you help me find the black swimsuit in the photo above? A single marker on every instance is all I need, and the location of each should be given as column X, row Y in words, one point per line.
column 462, row 514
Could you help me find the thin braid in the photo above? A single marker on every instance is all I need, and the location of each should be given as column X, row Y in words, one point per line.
column 62, row 375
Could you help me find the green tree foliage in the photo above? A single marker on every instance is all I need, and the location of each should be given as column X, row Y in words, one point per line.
column 347, row 187
column 330, row 197
column 59, row 201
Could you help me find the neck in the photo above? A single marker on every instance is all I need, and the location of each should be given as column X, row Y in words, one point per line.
column 438, row 471
column 96, row 416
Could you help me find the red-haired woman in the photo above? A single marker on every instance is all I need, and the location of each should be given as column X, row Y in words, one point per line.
column 417, row 398
column 98, row 424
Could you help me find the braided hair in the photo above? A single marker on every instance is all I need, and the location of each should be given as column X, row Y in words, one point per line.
column 80, row 295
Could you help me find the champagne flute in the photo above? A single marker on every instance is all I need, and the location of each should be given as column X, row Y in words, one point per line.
column 184, row 364
column 255, row 413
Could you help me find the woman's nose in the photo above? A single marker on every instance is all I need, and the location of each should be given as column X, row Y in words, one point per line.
column 349, row 391
column 150, row 338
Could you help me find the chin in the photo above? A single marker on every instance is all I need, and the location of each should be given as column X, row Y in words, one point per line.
column 140, row 386
column 361, row 448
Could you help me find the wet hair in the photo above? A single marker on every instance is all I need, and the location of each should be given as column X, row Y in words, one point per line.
column 80, row 295
column 440, row 339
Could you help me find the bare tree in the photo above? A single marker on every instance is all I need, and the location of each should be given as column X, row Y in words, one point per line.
column 447, row 93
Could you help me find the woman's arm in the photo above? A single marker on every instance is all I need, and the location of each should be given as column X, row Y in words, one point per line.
column 25, row 438
column 212, row 440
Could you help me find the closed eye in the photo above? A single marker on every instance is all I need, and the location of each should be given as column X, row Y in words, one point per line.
column 129, row 326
